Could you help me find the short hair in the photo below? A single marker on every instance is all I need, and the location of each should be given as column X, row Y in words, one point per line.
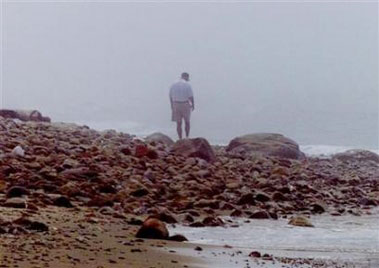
column 185, row 75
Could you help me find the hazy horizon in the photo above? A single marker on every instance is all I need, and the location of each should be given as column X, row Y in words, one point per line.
column 306, row 70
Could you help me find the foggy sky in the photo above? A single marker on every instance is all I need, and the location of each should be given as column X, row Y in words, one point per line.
column 307, row 70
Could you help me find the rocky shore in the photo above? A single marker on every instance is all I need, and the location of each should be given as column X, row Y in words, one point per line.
column 118, row 176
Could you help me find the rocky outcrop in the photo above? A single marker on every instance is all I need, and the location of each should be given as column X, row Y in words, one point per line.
column 357, row 155
column 266, row 144
column 198, row 147
column 159, row 138
column 24, row 115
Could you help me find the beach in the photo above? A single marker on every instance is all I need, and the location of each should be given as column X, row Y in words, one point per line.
column 72, row 196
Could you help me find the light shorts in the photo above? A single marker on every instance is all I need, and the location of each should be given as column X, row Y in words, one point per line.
column 181, row 110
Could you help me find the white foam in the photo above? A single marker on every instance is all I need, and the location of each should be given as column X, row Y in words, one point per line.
column 327, row 150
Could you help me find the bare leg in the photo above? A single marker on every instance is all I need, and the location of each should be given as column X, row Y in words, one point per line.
column 179, row 128
column 187, row 127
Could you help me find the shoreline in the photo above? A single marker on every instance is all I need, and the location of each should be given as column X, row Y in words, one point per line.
column 89, row 238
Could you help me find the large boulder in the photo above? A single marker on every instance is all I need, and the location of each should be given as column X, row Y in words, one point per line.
column 198, row 147
column 357, row 155
column 159, row 138
column 24, row 115
column 267, row 144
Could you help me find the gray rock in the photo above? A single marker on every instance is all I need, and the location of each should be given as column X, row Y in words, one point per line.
column 357, row 155
column 266, row 144
column 160, row 138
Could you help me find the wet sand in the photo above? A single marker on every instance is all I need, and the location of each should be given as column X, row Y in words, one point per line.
column 86, row 237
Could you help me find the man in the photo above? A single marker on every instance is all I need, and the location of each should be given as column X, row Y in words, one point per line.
column 182, row 102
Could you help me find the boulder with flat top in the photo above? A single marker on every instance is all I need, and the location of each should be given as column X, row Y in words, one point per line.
column 266, row 144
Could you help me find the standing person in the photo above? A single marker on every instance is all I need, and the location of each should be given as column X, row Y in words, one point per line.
column 182, row 102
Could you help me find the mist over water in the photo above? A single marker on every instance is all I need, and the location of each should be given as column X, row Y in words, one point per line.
column 306, row 70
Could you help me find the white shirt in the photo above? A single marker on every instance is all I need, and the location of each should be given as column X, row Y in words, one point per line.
column 181, row 91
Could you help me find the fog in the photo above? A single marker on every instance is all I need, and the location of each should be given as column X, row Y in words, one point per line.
column 306, row 70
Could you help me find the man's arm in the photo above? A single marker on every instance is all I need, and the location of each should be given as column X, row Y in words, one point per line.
column 192, row 103
column 171, row 101
column 191, row 98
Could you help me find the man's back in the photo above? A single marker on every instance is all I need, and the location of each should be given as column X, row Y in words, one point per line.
column 181, row 91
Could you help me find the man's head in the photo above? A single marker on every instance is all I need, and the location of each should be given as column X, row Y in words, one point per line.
column 185, row 76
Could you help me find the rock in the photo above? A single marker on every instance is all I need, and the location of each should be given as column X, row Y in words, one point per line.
column 125, row 150
column 236, row 213
column 141, row 151
column 152, row 154
column 213, row 221
column 357, row 155
column 107, row 211
column 166, row 217
column 31, row 225
column 267, row 257
column 153, row 228
column 17, row 191
column 205, row 203
column 178, row 238
column 261, row 214
column 198, row 147
column 262, row 197
column 255, row 254
column 273, row 215
column 278, row 196
column 70, row 163
column 281, row 171
column 266, row 144
column 197, row 248
column 99, row 201
column 367, row 202
column 300, row 221
column 3, row 186
column 134, row 221
column 318, row 208
column 196, row 224
column 233, row 185
column 62, row 201
column 24, row 115
column 18, row 151
column 246, row 199
column 15, row 202
column 140, row 192
column 160, row 138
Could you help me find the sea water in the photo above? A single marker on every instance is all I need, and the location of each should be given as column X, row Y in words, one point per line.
column 347, row 238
